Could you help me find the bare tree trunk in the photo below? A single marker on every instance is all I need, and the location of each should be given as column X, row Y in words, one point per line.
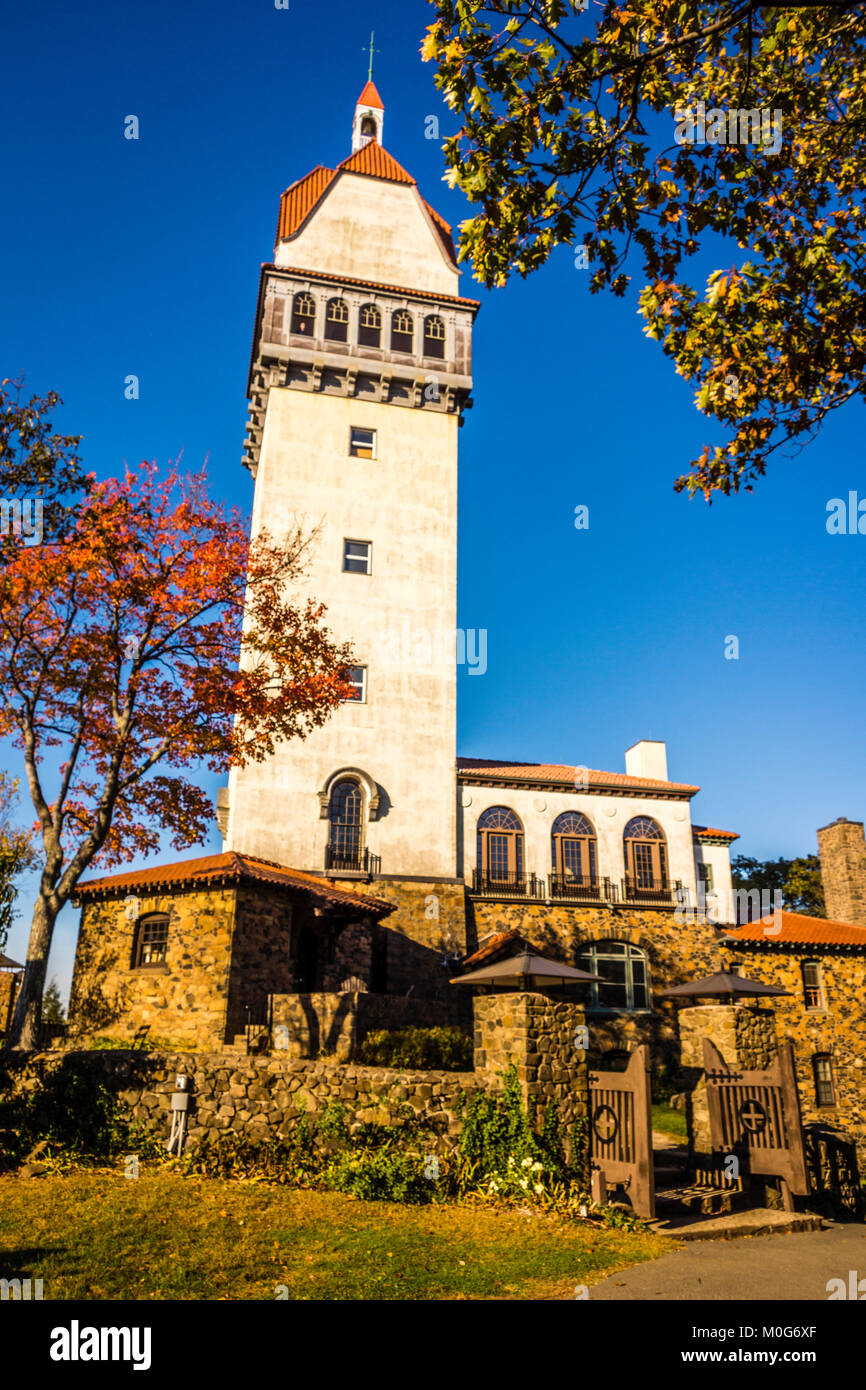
column 27, row 1019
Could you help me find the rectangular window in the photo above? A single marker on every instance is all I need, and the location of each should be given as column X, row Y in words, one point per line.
column 813, row 994
column 705, row 874
column 151, row 945
column 358, row 682
column 362, row 443
column 824, row 1090
column 357, row 557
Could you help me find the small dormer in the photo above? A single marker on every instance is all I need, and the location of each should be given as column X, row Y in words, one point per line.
column 369, row 118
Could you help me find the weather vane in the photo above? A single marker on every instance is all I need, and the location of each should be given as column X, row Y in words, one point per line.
column 372, row 51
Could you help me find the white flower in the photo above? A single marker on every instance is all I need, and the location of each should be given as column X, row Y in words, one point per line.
column 527, row 1163
column 538, row 1187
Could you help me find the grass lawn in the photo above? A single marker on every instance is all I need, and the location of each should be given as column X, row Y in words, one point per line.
column 668, row 1121
column 95, row 1235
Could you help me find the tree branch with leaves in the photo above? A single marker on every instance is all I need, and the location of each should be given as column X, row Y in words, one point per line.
column 154, row 640
column 569, row 137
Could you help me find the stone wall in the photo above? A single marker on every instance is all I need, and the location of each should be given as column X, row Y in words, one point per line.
column 332, row 1024
column 428, row 923
column 255, row 1097
column 837, row 1031
column 184, row 999
column 676, row 952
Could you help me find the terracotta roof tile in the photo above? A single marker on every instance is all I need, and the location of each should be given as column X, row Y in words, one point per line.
column 706, row 832
column 226, row 868
column 297, row 202
column 374, row 160
column 496, row 771
column 370, row 97
column 799, row 930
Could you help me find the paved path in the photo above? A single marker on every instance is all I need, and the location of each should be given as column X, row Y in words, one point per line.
column 756, row 1267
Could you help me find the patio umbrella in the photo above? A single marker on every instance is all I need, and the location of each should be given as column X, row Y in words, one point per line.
column 721, row 984
column 528, row 968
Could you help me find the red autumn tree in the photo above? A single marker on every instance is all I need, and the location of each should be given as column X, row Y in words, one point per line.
column 154, row 640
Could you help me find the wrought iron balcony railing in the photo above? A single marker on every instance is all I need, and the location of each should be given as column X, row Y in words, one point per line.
column 652, row 892
column 570, row 888
column 508, row 885
column 359, row 861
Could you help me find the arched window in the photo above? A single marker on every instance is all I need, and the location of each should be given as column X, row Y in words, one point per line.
column 623, row 969
column 500, row 845
column 368, row 129
column 434, row 336
column 151, row 941
column 402, row 331
column 370, row 326
column 646, row 863
column 304, row 314
column 573, row 850
column 337, row 321
column 346, row 816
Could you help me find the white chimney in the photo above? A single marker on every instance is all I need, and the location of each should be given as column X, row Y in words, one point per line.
column 649, row 758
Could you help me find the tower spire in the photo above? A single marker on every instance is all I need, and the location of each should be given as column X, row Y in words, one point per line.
column 369, row 110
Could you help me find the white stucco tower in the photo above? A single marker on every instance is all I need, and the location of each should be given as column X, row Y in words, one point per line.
column 361, row 369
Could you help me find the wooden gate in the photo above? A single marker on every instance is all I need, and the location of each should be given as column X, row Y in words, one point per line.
column 756, row 1114
column 620, row 1129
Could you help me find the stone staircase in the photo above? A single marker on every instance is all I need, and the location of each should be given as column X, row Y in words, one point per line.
column 240, row 1047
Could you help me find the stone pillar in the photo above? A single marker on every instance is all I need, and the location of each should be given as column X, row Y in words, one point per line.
column 745, row 1037
column 538, row 1036
column 842, row 848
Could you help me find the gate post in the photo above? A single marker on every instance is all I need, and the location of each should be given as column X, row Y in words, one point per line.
column 542, row 1038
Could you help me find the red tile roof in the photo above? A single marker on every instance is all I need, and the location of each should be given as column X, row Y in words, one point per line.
column 491, row 769
column 706, row 832
column 371, row 160
column 370, row 97
column 228, row 868
column 298, row 201
column 375, row 161
column 799, row 930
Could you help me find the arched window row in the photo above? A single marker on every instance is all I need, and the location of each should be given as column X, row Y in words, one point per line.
column 574, row 869
column 398, row 330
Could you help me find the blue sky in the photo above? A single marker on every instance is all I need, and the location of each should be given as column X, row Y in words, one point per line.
column 142, row 257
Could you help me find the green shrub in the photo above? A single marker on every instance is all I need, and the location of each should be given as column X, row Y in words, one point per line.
column 74, row 1113
column 419, row 1049
column 380, row 1175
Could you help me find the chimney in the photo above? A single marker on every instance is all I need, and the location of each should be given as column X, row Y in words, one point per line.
column 648, row 758
column 842, row 848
